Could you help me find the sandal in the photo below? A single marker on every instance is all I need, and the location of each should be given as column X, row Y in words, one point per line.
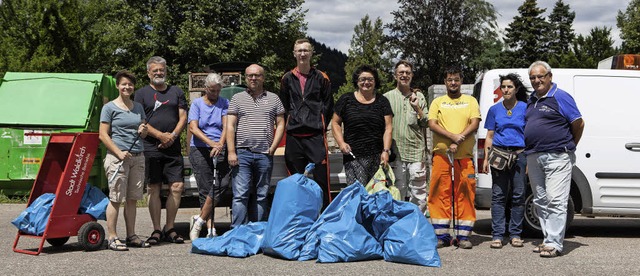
column 517, row 242
column 155, row 240
column 175, row 238
column 135, row 241
column 116, row 245
column 541, row 247
column 496, row 244
column 550, row 253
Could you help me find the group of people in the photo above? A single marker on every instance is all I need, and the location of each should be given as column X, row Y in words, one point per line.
column 541, row 135
column 234, row 142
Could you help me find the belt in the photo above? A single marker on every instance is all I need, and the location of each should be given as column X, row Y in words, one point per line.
column 132, row 154
column 510, row 148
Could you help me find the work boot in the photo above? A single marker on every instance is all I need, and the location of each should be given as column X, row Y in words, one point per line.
column 465, row 244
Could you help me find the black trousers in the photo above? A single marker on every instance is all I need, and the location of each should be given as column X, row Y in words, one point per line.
column 300, row 151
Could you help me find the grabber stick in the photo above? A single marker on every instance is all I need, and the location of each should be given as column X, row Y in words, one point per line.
column 156, row 105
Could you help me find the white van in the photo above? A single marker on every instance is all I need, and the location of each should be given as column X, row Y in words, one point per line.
column 606, row 178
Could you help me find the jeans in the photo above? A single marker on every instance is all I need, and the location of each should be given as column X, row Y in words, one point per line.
column 513, row 180
column 252, row 174
column 411, row 177
column 550, row 176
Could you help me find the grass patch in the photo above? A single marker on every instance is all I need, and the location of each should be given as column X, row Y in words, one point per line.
column 13, row 199
column 144, row 202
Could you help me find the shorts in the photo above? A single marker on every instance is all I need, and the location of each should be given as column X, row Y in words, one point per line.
column 162, row 168
column 128, row 183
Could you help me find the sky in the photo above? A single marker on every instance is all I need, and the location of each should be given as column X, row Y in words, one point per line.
column 332, row 21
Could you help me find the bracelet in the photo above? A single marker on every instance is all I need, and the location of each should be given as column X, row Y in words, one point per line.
column 174, row 134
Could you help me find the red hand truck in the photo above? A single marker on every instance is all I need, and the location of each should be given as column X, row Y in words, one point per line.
column 64, row 171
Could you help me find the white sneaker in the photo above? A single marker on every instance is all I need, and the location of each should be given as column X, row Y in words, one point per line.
column 194, row 232
column 213, row 234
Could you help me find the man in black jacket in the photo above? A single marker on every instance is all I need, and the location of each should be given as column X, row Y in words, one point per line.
column 306, row 95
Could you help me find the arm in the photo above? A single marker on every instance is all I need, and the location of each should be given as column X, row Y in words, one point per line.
column 284, row 95
column 109, row 144
column 232, row 119
column 386, row 138
column 278, row 134
column 488, row 143
column 336, row 129
column 577, row 127
column 419, row 105
column 327, row 102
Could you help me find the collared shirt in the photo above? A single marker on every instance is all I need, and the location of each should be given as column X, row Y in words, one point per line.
column 548, row 122
column 256, row 119
column 408, row 131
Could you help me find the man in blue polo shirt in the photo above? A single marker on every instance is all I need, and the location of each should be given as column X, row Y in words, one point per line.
column 553, row 128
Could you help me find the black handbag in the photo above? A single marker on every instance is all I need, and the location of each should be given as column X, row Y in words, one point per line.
column 501, row 159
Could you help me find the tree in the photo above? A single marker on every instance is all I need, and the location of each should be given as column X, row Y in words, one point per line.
column 438, row 33
column 368, row 46
column 48, row 35
column 525, row 36
column 561, row 34
column 596, row 46
column 629, row 25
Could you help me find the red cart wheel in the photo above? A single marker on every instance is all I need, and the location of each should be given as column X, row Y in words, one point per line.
column 91, row 236
column 58, row 241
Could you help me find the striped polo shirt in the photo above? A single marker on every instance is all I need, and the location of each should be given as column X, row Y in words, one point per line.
column 256, row 119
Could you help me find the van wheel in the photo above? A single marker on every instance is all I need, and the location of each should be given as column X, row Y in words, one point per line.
column 532, row 223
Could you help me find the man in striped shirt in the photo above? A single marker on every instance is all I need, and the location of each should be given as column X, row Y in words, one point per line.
column 409, row 129
column 251, row 142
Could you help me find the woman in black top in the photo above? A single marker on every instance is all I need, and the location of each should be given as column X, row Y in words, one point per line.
column 367, row 120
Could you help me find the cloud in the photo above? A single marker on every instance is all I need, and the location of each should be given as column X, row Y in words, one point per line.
column 332, row 21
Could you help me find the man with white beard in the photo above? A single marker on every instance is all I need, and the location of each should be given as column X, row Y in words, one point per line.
column 166, row 110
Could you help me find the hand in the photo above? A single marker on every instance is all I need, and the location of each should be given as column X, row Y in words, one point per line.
column 485, row 165
column 166, row 138
column 345, row 148
column 215, row 151
column 384, row 158
column 233, row 159
column 122, row 155
column 271, row 151
column 413, row 100
column 142, row 130
column 453, row 148
column 458, row 138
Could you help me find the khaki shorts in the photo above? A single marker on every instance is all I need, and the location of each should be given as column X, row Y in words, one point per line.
column 129, row 181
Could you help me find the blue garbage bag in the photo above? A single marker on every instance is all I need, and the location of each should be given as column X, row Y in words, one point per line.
column 34, row 219
column 296, row 206
column 338, row 235
column 410, row 239
column 240, row 242
column 94, row 202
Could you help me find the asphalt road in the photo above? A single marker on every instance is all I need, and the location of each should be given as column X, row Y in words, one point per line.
column 600, row 246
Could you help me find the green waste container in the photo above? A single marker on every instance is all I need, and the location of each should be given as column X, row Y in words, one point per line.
column 41, row 103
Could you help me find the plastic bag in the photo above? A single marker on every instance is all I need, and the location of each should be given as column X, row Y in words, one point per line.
column 338, row 235
column 296, row 206
column 240, row 242
column 94, row 202
column 404, row 232
column 411, row 239
column 34, row 219
column 384, row 179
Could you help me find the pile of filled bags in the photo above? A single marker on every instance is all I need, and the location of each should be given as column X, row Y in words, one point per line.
column 356, row 226
column 33, row 220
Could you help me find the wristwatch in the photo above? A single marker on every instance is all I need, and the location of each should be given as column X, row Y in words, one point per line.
column 387, row 151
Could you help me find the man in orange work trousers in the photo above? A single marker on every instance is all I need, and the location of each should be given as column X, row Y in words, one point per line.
column 454, row 119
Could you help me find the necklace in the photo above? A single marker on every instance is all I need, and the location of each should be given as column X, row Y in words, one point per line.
column 509, row 113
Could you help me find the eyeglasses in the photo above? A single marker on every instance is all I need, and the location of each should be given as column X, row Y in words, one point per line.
column 300, row 51
column 254, row 76
column 400, row 73
column 541, row 77
column 366, row 79
column 453, row 80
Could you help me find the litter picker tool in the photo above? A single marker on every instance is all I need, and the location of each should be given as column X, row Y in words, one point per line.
column 454, row 240
column 215, row 178
column 156, row 105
